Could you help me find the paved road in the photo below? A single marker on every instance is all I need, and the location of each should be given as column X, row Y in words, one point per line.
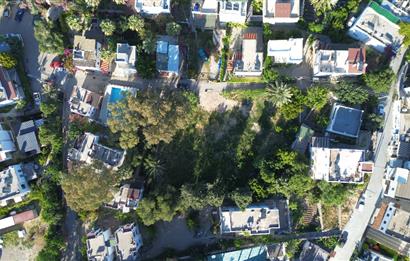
column 31, row 52
column 389, row 241
column 357, row 224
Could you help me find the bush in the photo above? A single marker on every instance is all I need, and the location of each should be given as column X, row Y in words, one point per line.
column 7, row 61
column 380, row 81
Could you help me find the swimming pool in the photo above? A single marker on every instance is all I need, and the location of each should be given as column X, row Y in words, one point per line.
column 116, row 95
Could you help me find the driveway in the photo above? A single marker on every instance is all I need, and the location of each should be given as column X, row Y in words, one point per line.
column 31, row 52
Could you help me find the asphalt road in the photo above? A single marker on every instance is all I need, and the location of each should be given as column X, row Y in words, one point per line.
column 31, row 52
column 359, row 220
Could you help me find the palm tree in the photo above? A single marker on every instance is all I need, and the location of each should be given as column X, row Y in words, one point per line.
column 154, row 168
column 279, row 93
column 322, row 6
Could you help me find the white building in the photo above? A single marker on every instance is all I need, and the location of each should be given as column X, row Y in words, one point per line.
column 87, row 149
column 401, row 8
column 396, row 184
column 85, row 102
column 125, row 60
column 7, row 146
column 255, row 220
column 286, row 51
column 336, row 164
column 129, row 241
column 205, row 13
column 233, row 11
column 333, row 63
column 153, row 7
column 99, row 246
column 126, row 199
column 248, row 60
column 377, row 27
column 86, row 53
column 13, row 185
column 281, row 11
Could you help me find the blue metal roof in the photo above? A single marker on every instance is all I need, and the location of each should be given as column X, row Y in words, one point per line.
column 173, row 58
column 162, row 47
column 249, row 254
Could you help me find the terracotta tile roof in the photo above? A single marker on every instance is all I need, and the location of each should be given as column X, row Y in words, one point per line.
column 379, row 218
column 283, row 9
column 357, row 60
column 105, row 66
column 249, row 36
column 367, row 167
column 7, row 84
column 24, row 216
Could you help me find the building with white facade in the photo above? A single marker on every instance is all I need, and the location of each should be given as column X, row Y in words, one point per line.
column 337, row 164
column 85, row 102
column 377, row 27
column 99, row 246
column 233, row 11
column 7, row 145
column 205, row 13
column 281, row 11
column 13, row 185
column 334, row 63
column 9, row 93
column 87, row 149
column 126, row 199
column 86, row 53
column 129, row 241
column 286, row 51
column 125, row 61
column 153, row 7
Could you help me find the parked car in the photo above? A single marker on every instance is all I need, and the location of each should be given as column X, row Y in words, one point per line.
column 6, row 11
column 37, row 98
column 19, row 14
column 360, row 205
column 203, row 55
column 343, row 238
column 380, row 109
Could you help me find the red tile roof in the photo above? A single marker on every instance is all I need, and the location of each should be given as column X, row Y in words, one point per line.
column 24, row 216
column 7, row 84
column 357, row 60
column 379, row 218
column 283, row 9
column 367, row 167
column 249, row 36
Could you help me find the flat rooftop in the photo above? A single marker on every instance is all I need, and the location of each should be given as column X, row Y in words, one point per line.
column 345, row 121
column 400, row 224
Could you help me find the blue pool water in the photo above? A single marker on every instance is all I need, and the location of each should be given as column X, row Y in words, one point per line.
column 116, row 95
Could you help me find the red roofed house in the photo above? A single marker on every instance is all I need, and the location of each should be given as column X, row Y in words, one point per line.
column 247, row 58
column 357, row 60
column 126, row 199
column 281, row 11
column 8, row 90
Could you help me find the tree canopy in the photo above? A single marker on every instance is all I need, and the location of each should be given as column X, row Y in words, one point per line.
column 107, row 27
column 154, row 115
column 7, row 61
column 380, row 81
column 351, row 94
column 88, row 186
column 405, row 31
column 173, row 29
column 48, row 38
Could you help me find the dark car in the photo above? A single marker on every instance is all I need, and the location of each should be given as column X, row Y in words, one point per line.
column 343, row 239
column 6, row 11
column 19, row 14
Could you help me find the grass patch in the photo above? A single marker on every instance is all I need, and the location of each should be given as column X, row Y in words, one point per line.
column 239, row 95
column 235, row 79
column 11, row 239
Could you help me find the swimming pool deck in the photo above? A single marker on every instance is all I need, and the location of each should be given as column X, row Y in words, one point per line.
column 109, row 99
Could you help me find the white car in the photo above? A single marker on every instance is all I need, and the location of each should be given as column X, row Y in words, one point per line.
column 360, row 205
column 37, row 98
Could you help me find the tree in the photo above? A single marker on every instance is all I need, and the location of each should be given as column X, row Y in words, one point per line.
column 154, row 113
column 373, row 122
column 322, row 6
column 380, row 81
column 269, row 74
column 107, row 27
column 351, row 94
column 199, row 196
column 317, row 97
column 154, row 168
column 7, row 61
column 149, row 43
column 405, row 31
column 120, row 2
column 48, row 38
column 241, row 197
column 93, row 3
column 88, row 186
column 292, row 109
column 160, row 206
column 74, row 22
column 279, row 93
column 136, row 23
column 173, row 29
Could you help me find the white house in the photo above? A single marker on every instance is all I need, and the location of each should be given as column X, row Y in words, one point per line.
column 9, row 93
column 87, row 149
column 205, row 13
column 7, row 146
column 286, row 51
column 248, row 59
column 333, row 63
column 232, row 11
column 13, row 185
column 281, row 11
column 126, row 198
column 129, row 241
column 86, row 53
column 85, row 102
column 125, row 60
column 99, row 246
column 153, row 7
column 377, row 27
column 255, row 219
